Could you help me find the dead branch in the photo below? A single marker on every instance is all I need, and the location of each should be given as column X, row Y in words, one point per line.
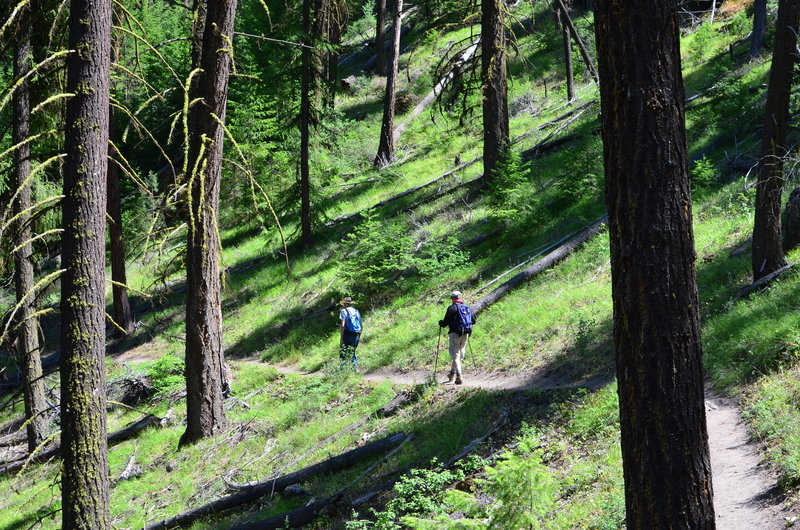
column 764, row 281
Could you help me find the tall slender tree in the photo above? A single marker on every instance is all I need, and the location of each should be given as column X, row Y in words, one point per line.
column 84, row 483
column 26, row 326
column 204, row 350
column 307, row 84
column 665, row 453
column 494, row 85
column 380, row 37
column 386, row 145
column 567, row 44
column 759, row 27
column 767, row 246
column 119, row 280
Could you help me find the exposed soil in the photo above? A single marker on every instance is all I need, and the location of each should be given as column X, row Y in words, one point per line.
column 746, row 492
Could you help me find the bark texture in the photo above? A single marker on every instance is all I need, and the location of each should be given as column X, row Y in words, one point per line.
column 759, row 27
column 204, row 352
column 380, row 37
column 386, row 146
column 767, row 246
column 84, row 484
column 664, row 440
column 28, row 347
column 494, row 85
column 122, row 306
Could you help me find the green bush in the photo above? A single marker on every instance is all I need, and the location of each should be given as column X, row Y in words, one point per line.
column 166, row 374
column 506, row 185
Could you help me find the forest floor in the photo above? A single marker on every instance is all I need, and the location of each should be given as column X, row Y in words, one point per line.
column 746, row 491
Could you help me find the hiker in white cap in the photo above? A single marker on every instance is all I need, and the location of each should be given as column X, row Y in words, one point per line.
column 459, row 319
column 349, row 331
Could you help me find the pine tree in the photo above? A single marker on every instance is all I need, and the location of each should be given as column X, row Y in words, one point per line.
column 494, row 85
column 664, row 441
column 386, row 145
column 84, row 484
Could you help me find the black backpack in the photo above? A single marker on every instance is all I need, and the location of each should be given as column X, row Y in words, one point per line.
column 465, row 320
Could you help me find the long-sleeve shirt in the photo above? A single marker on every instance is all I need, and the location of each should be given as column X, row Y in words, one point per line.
column 452, row 320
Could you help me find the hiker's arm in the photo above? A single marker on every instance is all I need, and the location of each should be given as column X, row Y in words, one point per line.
column 341, row 333
column 447, row 317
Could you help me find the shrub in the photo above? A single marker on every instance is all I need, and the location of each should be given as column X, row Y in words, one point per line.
column 166, row 374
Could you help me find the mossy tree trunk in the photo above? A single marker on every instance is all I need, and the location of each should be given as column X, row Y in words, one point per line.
column 204, row 351
column 27, row 335
column 767, row 246
column 759, row 27
column 494, row 85
column 386, row 145
column 84, row 483
column 380, row 36
column 122, row 306
column 665, row 454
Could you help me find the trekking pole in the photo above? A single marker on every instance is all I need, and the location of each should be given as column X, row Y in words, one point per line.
column 436, row 362
column 469, row 343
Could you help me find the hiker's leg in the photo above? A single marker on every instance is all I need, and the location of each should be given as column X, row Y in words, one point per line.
column 342, row 355
column 355, row 361
column 455, row 363
column 461, row 345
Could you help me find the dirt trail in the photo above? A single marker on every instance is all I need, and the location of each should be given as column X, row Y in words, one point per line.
column 746, row 495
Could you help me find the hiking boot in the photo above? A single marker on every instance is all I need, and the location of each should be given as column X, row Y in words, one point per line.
column 458, row 379
column 450, row 377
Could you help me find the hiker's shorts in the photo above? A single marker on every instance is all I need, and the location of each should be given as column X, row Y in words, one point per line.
column 458, row 343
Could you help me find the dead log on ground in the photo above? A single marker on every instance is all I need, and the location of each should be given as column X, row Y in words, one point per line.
column 763, row 281
column 126, row 433
column 545, row 263
column 266, row 487
column 309, row 513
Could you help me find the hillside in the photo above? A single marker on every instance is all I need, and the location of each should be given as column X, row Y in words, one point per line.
column 532, row 437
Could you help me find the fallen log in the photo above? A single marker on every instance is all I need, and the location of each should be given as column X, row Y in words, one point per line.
column 763, row 281
column 466, row 55
column 545, row 263
column 266, row 487
column 126, row 433
column 578, row 41
column 310, row 512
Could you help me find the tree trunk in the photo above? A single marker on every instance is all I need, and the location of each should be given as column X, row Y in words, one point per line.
column 578, row 41
column 84, row 483
column 380, row 37
column 759, row 27
column 335, row 21
column 664, row 441
column 204, row 353
column 494, row 85
column 306, row 83
column 792, row 228
column 568, row 69
column 386, row 147
column 122, row 307
column 27, row 336
column 767, row 247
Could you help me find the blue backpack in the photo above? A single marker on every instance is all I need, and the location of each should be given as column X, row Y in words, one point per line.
column 353, row 321
column 465, row 320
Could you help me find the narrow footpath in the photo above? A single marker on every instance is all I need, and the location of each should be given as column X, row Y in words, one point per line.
column 746, row 493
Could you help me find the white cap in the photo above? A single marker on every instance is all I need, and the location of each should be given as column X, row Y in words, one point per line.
column 456, row 294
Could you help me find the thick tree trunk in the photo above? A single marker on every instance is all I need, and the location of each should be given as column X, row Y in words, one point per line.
column 84, row 484
column 386, row 147
column 759, row 27
column 494, row 85
column 306, row 84
column 656, row 323
column 122, row 307
column 380, row 37
column 204, row 352
column 27, row 336
column 767, row 246
column 568, row 69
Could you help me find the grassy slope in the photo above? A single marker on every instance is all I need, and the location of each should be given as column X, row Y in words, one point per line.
column 561, row 320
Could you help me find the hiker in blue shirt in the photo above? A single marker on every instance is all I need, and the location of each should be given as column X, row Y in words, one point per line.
column 349, row 331
column 459, row 319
